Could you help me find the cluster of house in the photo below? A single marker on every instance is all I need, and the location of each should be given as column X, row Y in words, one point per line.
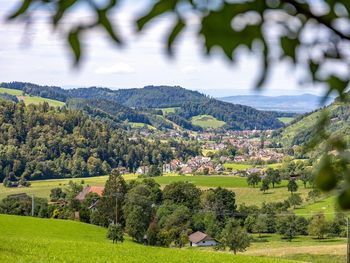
column 262, row 154
column 198, row 164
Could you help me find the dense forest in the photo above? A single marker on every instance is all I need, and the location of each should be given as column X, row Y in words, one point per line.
column 237, row 117
column 107, row 110
column 40, row 142
column 137, row 105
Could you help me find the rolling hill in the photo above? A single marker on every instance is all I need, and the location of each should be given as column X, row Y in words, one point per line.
column 28, row 99
column 27, row 239
column 142, row 105
column 300, row 130
column 289, row 103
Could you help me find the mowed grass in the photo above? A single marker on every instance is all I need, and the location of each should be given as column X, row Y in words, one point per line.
column 286, row 120
column 26, row 239
column 207, row 121
column 31, row 99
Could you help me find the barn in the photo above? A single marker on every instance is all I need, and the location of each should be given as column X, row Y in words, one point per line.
column 200, row 239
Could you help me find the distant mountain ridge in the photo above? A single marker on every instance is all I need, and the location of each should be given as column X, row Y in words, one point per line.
column 142, row 105
column 290, row 103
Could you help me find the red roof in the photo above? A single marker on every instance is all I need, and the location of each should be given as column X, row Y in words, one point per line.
column 90, row 189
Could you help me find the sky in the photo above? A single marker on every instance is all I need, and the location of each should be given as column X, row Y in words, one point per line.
column 38, row 54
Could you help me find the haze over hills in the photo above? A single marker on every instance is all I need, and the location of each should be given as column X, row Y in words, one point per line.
column 288, row 103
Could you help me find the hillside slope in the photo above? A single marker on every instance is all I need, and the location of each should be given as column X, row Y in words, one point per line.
column 301, row 130
column 26, row 239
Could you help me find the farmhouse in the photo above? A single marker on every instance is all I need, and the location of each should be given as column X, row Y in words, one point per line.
column 200, row 239
column 89, row 189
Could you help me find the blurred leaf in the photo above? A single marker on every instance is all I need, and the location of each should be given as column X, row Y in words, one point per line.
column 289, row 46
column 158, row 9
column 179, row 26
column 326, row 179
column 62, row 7
column 74, row 42
column 21, row 10
column 338, row 85
column 344, row 198
column 217, row 30
column 105, row 22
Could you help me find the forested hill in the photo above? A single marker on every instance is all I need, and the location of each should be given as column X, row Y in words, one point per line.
column 140, row 105
column 40, row 142
column 302, row 129
column 237, row 117
column 147, row 97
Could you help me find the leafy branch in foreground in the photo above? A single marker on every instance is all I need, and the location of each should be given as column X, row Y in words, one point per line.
column 312, row 37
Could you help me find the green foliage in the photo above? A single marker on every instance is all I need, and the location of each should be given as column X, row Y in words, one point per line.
column 115, row 233
column 235, row 237
column 295, row 200
column 138, row 210
column 318, row 226
column 253, row 179
column 287, row 226
column 265, row 185
column 292, row 185
column 182, row 193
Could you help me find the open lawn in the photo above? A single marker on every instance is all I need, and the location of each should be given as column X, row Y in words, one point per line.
column 207, row 121
column 27, row 239
column 31, row 99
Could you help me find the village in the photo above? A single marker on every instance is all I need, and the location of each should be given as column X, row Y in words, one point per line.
column 221, row 150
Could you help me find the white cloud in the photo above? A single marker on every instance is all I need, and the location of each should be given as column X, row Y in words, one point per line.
column 189, row 69
column 118, row 68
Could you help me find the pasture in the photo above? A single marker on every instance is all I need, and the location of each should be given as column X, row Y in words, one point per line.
column 207, row 121
column 244, row 193
column 140, row 125
column 27, row 99
column 27, row 239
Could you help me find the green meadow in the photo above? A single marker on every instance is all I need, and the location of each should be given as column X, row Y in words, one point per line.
column 27, row 239
column 286, row 120
column 244, row 193
column 207, row 121
column 31, row 99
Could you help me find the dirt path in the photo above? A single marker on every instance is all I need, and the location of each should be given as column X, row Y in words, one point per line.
column 283, row 251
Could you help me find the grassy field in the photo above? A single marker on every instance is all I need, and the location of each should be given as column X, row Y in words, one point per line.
column 302, row 248
column 243, row 166
column 286, row 120
column 207, row 121
column 26, row 239
column 326, row 205
column 31, row 99
column 244, row 193
column 140, row 125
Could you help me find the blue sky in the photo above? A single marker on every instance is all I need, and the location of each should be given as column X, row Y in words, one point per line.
column 41, row 56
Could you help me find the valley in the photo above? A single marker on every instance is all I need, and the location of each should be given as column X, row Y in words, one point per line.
column 199, row 165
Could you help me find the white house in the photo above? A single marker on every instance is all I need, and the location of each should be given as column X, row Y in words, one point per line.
column 199, row 239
